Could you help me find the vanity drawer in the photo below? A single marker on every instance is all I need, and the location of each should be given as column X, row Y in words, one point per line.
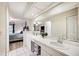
column 44, row 53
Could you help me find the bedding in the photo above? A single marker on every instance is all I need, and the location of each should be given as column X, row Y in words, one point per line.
column 14, row 36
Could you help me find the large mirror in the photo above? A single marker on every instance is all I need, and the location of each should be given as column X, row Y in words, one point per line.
column 72, row 28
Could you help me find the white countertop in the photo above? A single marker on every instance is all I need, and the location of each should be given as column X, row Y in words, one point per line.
column 67, row 49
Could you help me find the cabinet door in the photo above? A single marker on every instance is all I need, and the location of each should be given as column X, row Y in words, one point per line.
column 43, row 53
column 51, row 52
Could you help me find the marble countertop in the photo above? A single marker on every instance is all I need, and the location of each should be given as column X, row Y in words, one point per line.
column 67, row 49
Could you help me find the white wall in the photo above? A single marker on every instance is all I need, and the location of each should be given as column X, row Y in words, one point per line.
column 59, row 22
column 78, row 23
column 30, row 24
column 3, row 29
column 20, row 24
column 48, row 27
column 19, row 27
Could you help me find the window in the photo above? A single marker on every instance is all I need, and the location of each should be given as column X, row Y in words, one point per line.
column 10, row 29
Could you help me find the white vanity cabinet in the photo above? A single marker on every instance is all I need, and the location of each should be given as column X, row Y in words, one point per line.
column 47, row 51
column 44, row 53
column 50, row 51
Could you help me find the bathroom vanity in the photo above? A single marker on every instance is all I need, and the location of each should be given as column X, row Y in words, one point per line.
column 48, row 51
column 49, row 47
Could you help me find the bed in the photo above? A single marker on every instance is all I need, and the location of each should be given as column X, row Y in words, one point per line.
column 15, row 37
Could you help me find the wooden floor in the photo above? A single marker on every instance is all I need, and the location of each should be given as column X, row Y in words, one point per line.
column 15, row 45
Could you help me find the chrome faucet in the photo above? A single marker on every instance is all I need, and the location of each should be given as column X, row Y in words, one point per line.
column 61, row 38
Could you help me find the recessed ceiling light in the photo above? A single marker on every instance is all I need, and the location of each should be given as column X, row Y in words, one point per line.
column 13, row 19
column 32, row 14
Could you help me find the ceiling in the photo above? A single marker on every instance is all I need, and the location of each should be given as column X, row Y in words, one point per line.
column 35, row 10
column 28, row 10
column 60, row 8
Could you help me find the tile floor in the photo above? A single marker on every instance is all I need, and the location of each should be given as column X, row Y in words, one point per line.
column 23, row 51
column 17, row 49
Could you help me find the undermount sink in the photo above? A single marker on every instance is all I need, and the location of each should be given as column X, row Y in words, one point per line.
column 59, row 45
column 56, row 44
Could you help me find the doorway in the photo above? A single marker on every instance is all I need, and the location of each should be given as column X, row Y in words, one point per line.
column 15, row 35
